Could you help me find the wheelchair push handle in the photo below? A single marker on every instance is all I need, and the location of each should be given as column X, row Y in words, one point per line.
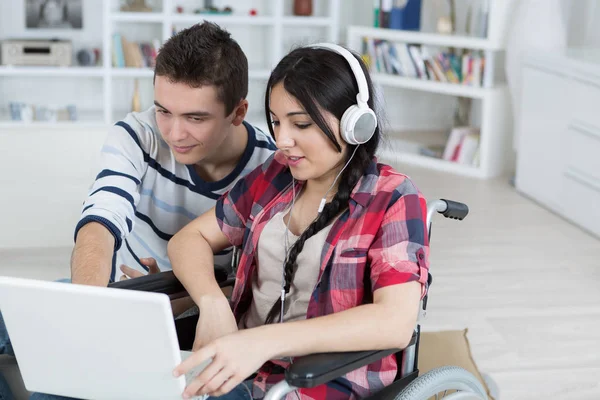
column 448, row 208
column 454, row 210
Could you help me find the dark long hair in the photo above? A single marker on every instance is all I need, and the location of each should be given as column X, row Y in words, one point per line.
column 322, row 79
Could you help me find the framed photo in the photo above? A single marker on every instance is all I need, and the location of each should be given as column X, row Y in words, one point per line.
column 54, row 14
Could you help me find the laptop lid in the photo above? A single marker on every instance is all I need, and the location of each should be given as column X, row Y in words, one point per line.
column 91, row 342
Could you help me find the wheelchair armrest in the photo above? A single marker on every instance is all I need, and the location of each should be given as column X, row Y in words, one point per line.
column 166, row 282
column 317, row 369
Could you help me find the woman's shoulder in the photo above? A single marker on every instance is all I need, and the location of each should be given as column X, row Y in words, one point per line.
column 391, row 180
column 267, row 179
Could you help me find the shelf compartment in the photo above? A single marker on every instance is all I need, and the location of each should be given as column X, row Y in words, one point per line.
column 391, row 154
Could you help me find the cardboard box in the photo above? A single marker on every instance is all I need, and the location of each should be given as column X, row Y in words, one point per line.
column 438, row 349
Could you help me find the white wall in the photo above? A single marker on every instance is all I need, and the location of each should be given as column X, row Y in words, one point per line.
column 44, row 176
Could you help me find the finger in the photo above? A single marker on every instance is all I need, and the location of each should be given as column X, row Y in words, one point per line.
column 130, row 272
column 194, row 360
column 123, row 278
column 151, row 264
column 217, row 382
column 206, row 376
column 227, row 386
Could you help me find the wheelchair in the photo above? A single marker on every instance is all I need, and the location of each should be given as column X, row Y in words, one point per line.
column 453, row 383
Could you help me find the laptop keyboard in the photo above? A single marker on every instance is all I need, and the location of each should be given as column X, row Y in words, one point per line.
column 193, row 372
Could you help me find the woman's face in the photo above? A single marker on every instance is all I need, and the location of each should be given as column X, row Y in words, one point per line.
column 309, row 152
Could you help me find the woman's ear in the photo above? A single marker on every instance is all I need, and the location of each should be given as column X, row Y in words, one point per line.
column 239, row 112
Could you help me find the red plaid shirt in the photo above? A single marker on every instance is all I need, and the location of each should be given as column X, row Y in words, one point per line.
column 380, row 240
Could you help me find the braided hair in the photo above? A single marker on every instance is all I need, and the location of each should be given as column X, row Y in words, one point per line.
column 321, row 79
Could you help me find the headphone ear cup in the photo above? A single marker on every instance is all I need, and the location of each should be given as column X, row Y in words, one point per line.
column 358, row 125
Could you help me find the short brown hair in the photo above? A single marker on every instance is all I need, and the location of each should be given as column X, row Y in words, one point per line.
column 205, row 54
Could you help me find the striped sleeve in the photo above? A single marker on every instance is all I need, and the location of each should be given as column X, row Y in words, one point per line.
column 113, row 197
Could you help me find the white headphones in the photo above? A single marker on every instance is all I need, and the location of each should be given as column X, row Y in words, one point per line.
column 358, row 121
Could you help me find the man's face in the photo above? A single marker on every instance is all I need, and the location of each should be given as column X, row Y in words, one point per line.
column 191, row 120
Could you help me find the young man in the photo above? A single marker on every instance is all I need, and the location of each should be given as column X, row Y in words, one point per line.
column 162, row 168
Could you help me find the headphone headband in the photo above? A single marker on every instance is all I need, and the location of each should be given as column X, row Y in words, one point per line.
column 361, row 80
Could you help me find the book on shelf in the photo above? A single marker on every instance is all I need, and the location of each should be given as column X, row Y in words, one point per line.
column 423, row 62
column 463, row 146
column 406, row 15
column 395, row 14
column 130, row 54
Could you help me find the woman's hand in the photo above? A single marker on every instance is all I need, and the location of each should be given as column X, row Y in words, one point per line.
column 216, row 320
column 234, row 358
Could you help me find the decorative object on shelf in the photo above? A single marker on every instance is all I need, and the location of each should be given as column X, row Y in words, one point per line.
column 253, row 12
column 179, row 9
column 53, row 14
column 446, row 24
column 28, row 113
column 535, row 25
column 21, row 112
column 214, row 10
column 135, row 6
column 135, row 101
column 303, row 7
column 210, row 8
column 404, row 14
column 44, row 52
column 88, row 57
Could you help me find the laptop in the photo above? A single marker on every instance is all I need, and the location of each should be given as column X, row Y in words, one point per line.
column 91, row 342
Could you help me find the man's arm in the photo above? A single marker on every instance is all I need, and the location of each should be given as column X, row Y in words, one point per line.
column 108, row 212
column 91, row 261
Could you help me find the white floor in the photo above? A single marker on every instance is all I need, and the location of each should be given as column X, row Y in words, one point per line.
column 522, row 280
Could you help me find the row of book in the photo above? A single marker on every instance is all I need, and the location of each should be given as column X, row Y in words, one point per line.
column 133, row 54
column 421, row 62
column 463, row 146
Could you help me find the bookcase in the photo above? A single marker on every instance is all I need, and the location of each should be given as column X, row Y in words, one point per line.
column 418, row 61
column 103, row 93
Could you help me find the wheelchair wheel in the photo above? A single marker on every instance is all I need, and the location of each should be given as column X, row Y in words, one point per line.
column 449, row 383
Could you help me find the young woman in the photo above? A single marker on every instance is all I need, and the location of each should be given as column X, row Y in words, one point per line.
column 334, row 245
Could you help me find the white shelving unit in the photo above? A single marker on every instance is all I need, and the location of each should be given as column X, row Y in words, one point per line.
column 493, row 95
column 279, row 27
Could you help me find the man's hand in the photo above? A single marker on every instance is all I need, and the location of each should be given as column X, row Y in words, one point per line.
column 130, row 273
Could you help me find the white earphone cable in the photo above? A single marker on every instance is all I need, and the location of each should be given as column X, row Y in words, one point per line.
column 324, row 199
